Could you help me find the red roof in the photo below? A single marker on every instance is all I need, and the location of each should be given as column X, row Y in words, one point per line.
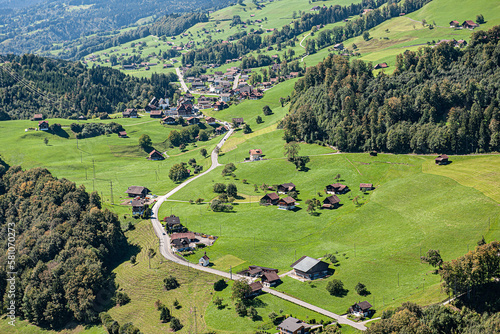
column 256, row 151
column 288, row 200
column 365, row 185
column 189, row 235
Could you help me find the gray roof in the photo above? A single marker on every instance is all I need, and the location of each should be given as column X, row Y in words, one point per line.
column 305, row 264
column 291, row 324
column 136, row 190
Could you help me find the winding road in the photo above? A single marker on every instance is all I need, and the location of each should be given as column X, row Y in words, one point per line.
column 166, row 251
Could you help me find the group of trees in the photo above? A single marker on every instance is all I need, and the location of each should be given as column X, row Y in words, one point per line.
column 89, row 130
column 65, row 244
column 291, row 152
column 440, row 99
column 113, row 327
column 188, row 135
column 56, row 88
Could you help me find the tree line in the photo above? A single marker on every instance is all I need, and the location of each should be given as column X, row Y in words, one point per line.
column 440, row 99
column 65, row 247
column 31, row 84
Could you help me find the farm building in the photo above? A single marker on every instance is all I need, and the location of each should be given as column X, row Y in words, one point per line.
column 238, row 121
column 293, row 326
column 255, row 289
column 255, row 154
column 442, row 160
column 130, row 113
column 137, row 191
column 155, row 155
column 211, row 121
column 336, row 188
column 360, row 309
column 43, row 125
column 310, row 268
column 156, row 114
column 257, row 271
column 381, row 65
column 469, row 24
column 270, row 199
column 173, row 224
column 286, row 187
column 169, row 120
column 331, row 202
column 37, row 117
column 204, row 260
column 270, row 279
column 365, row 186
column 286, row 203
column 122, row 134
column 137, row 206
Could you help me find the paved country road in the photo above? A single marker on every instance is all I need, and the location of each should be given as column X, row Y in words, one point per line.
column 181, row 80
column 167, row 252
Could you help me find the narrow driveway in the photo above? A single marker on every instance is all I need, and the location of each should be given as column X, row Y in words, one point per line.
column 236, row 81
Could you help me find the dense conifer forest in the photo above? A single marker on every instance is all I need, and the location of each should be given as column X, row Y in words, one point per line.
column 65, row 246
column 441, row 99
column 30, row 84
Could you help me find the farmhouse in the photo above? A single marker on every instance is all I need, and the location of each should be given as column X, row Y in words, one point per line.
column 381, row 65
column 257, row 271
column 169, row 120
column 255, row 289
column 285, row 188
column 442, row 160
column 122, row 134
column 211, row 121
column 155, row 155
column 336, row 188
column 137, row 206
column 310, row 268
column 255, row 154
column 37, row 117
column 270, row 199
column 132, row 113
column 238, row 121
column 365, row 186
column 219, row 105
column 360, row 309
column 315, row 8
column 204, row 260
column 190, row 236
column 338, row 46
column 180, row 244
column 286, row 203
column 468, row 24
column 270, row 279
column 136, row 191
column 454, row 24
column 193, row 120
column 220, row 130
column 331, row 202
column 173, row 224
column 293, row 326
column 156, row 114
column 43, row 125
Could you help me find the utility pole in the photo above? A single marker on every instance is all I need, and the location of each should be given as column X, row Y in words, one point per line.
column 111, row 186
column 195, row 326
column 93, row 167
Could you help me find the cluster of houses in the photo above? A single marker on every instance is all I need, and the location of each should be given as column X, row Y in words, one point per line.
column 467, row 24
column 138, row 198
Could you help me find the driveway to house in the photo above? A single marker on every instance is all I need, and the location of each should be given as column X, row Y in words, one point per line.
column 181, row 79
column 236, row 81
column 166, row 251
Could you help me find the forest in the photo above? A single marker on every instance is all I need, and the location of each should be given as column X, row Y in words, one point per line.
column 41, row 26
column 62, row 248
column 441, row 99
column 218, row 52
column 56, row 88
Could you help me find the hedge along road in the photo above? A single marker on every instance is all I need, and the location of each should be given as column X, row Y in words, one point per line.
column 166, row 251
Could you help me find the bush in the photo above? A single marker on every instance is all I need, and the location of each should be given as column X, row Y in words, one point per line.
column 219, row 188
column 335, row 287
column 171, row 283
column 220, row 285
column 121, row 298
column 165, row 315
column 241, row 309
column 361, row 289
column 133, row 259
column 175, row 324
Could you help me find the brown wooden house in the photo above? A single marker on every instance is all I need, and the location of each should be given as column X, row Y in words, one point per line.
column 130, row 113
column 156, row 114
column 270, row 199
column 270, row 279
column 255, row 289
column 336, row 188
column 122, row 134
column 287, row 203
column 238, row 121
column 361, row 309
column 155, row 155
column 442, row 160
column 331, row 202
column 365, row 186
column 43, row 125
column 137, row 191
column 286, row 187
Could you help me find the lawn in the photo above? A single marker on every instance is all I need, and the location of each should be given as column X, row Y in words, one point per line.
column 24, row 327
column 377, row 241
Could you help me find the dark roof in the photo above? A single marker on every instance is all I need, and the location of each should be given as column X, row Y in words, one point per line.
column 136, row 190
column 288, row 185
column 271, row 196
column 292, row 325
column 255, row 270
column 365, row 306
column 306, row 263
column 205, row 257
column 338, row 186
column 288, row 200
column 180, row 242
column 153, row 152
column 238, row 120
column 173, row 220
column 137, row 202
column 271, row 276
column 255, row 286
column 331, row 200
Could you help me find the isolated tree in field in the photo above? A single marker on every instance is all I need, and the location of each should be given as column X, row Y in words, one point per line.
column 170, row 283
column 282, row 101
column 121, row 298
column 218, row 302
column 366, row 36
column 361, row 289
column 203, row 152
column 480, row 19
column 46, row 141
column 192, row 162
column 228, row 169
column 267, row 111
column 312, row 205
column 335, row 287
column 178, row 172
column 151, row 254
column 165, row 315
column 133, row 259
column 273, row 316
column 199, row 200
column 301, row 162
column 145, row 141
column 241, row 309
column 247, row 129
column 291, row 150
column 482, row 241
column 175, row 324
column 433, row 257
column 232, row 190
column 252, row 312
column 259, row 120
column 240, row 289
column 220, row 285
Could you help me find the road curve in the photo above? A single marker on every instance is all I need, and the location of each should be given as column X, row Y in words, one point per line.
column 166, row 251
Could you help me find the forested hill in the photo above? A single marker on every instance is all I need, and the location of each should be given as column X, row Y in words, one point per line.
column 39, row 24
column 30, row 84
column 65, row 245
column 440, row 99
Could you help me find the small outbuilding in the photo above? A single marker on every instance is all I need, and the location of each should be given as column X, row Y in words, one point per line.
column 336, row 188
column 442, row 160
column 270, row 199
column 365, row 187
column 155, row 155
column 331, row 202
column 204, row 260
column 255, row 154
column 286, row 187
